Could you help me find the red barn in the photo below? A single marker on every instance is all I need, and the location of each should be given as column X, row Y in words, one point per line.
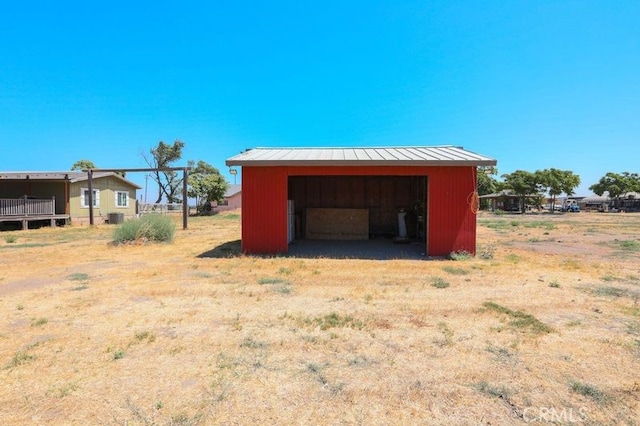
column 359, row 193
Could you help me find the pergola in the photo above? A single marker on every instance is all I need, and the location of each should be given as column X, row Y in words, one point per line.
column 185, row 177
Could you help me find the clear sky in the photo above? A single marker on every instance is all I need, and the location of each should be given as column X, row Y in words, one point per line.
column 534, row 84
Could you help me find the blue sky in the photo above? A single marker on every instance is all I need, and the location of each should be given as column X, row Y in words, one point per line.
column 534, row 84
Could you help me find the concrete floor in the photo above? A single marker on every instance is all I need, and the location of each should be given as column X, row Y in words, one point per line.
column 378, row 249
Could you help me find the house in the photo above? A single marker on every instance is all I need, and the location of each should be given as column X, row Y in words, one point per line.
column 232, row 199
column 359, row 193
column 62, row 197
column 505, row 200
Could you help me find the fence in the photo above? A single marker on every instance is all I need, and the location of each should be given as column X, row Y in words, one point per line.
column 159, row 208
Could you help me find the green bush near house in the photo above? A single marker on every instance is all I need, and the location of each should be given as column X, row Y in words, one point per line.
column 151, row 227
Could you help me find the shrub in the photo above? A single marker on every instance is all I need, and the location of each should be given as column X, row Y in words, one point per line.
column 486, row 251
column 460, row 255
column 152, row 227
column 588, row 390
column 438, row 282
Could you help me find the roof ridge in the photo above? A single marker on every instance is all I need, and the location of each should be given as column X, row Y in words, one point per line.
column 356, row 147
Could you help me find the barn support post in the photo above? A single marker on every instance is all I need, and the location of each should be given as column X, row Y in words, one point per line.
column 185, row 200
column 90, row 185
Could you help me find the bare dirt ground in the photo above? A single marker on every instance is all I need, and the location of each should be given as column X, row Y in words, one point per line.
column 542, row 326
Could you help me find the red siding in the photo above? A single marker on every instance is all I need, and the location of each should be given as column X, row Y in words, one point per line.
column 264, row 210
column 451, row 223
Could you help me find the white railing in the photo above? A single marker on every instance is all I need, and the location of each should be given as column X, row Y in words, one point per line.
column 27, row 207
column 159, row 208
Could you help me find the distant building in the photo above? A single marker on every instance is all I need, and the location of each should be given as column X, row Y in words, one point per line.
column 64, row 196
column 358, row 193
column 232, row 199
column 505, row 200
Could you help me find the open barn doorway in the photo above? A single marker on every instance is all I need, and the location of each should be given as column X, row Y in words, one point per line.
column 358, row 208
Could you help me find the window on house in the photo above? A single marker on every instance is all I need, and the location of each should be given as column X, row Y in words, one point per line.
column 122, row 198
column 84, row 198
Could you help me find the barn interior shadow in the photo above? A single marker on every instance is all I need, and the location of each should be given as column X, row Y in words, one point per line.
column 379, row 249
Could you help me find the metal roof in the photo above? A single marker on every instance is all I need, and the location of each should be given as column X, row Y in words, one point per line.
column 70, row 176
column 232, row 190
column 374, row 156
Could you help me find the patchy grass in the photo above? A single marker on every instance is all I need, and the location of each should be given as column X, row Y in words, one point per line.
column 455, row 271
column 630, row 245
column 495, row 391
column 589, row 391
column 19, row 358
column 547, row 225
column 37, row 322
column 610, row 291
column 439, row 282
column 334, row 320
column 195, row 332
column 78, row 276
column 267, row 281
column 520, row 320
column 24, row 245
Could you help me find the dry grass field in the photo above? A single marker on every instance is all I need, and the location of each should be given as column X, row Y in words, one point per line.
column 543, row 326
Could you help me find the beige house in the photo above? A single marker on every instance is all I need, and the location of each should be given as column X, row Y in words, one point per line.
column 63, row 197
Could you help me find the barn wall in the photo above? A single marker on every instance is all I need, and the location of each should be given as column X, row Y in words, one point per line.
column 264, row 210
column 451, row 225
column 451, row 222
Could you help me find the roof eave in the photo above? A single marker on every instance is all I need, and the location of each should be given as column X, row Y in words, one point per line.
column 357, row 163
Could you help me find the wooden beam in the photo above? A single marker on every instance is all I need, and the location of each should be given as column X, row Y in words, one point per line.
column 90, row 184
column 185, row 200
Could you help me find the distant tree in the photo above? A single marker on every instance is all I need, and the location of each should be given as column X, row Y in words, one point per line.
column 487, row 184
column 524, row 184
column 617, row 184
column 206, row 184
column 556, row 182
column 169, row 182
column 83, row 165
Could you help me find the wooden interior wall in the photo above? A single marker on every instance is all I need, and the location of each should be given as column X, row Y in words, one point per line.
column 383, row 196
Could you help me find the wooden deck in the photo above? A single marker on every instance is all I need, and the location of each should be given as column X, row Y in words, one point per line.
column 25, row 210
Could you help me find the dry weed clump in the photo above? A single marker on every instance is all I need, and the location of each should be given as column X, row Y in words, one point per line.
column 543, row 328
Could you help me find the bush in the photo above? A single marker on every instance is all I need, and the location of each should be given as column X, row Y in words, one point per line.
column 151, row 227
column 438, row 282
column 460, row 255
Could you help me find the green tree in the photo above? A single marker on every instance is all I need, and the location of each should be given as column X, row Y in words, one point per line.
column 487, row 184
column 524, row 184
column 617, row 184
column 169, row 182
column 556, row 182
column 83, row 165
column 206, row 184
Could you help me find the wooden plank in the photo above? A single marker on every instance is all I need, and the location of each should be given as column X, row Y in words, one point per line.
column 337, row 224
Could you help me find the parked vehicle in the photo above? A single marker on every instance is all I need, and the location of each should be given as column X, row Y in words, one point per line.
column 573, row 208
